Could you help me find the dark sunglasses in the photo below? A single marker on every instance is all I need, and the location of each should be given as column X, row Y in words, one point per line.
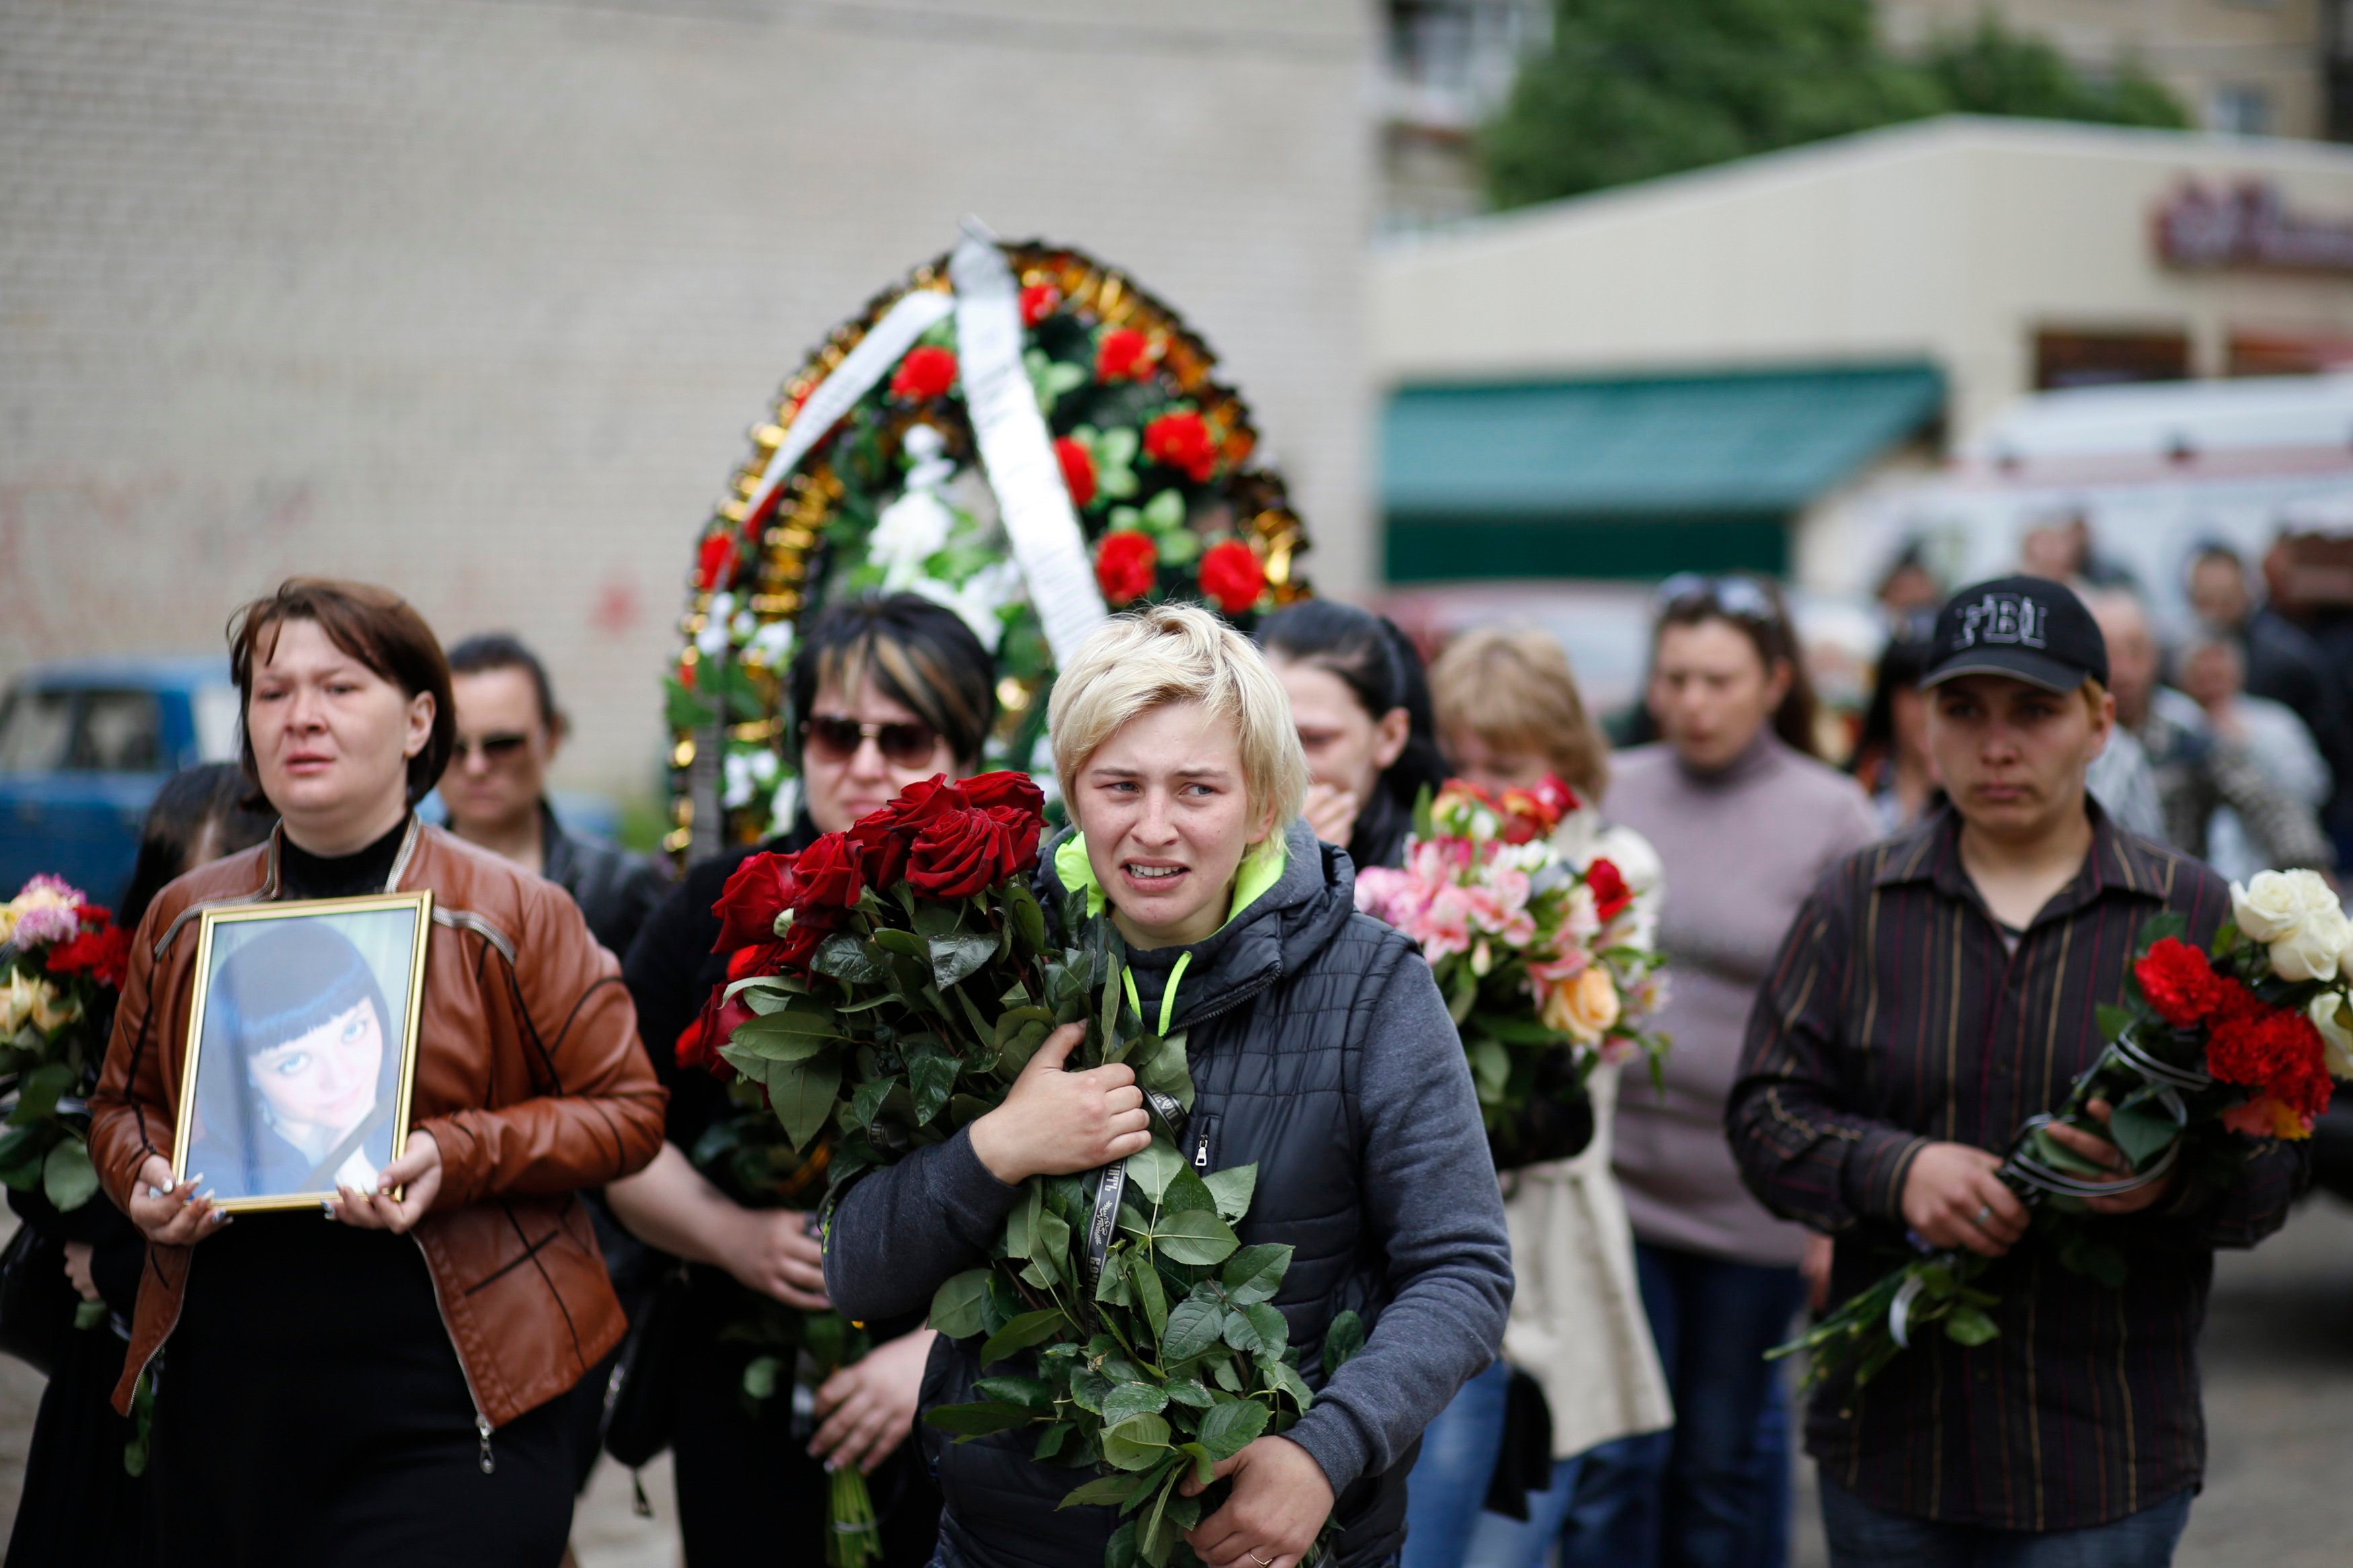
column 1742, row 598
column 834, row 739
column 494, row 748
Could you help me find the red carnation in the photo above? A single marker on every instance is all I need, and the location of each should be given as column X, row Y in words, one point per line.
column 1610, row 893
column 104, row 953
column 2182, row 985
column 1039, row 301
column 716, row 563
column 1078, row 469
column 926, row 373
column 1127, row 565
column 1232, row 575
column 1182, row 441
column 2274, row 1050
column 1122, row 353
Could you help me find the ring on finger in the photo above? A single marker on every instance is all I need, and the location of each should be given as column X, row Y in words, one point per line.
column 1261, row 1561
column 1985, row 1212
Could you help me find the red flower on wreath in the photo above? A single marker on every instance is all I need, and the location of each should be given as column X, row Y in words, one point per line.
column 1078, row 468
column 1610, row 893
column 1182, row 441
column 926, row 373
column 1127, row 563
column 716, row 562
column 1233, row 574
column 104, row 953
column 1122, row 353
column 2182, row 985
column 1039, row 301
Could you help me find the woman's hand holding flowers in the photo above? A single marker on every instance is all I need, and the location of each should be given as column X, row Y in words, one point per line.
column 1058, row 1123
column 778, row 1257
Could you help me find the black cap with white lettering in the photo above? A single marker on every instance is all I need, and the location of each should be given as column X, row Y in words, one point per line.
column 2027, row 629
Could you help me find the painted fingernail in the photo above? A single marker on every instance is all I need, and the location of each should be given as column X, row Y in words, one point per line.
column 220, row 1216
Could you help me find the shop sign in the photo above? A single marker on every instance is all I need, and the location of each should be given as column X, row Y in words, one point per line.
column 2249, row 225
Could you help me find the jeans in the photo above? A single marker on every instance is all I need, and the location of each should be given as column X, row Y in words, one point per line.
column 1718, row 1495
column 1450, row 1480
column 1861, row 1536
column 1595, row 1509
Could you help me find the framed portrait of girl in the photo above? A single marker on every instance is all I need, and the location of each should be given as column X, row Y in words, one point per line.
column 302, row 1048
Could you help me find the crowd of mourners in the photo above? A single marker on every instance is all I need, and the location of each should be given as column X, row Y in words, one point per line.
column 1886, row 951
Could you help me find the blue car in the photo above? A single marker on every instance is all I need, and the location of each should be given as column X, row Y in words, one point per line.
column 85, row 745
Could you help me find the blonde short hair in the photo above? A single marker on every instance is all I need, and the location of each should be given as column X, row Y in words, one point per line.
column 1514, row 689
column 1179, row 653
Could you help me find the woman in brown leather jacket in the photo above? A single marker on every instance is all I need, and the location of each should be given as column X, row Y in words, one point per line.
column 378, row 1384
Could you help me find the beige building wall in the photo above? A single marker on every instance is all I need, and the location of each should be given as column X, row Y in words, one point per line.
column 1952, row 241
column 478, row 299
column 2206, row 50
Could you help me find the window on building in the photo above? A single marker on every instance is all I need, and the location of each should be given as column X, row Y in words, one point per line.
column 1457, row 57
column 2105, row 359
column 2240, row 111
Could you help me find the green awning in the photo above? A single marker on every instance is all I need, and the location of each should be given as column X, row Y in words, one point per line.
column 1631, row 477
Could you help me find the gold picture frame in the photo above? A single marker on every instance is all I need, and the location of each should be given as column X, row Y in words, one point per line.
column 280, row 1088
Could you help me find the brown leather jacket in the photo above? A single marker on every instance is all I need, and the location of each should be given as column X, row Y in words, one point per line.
column 529, row 1076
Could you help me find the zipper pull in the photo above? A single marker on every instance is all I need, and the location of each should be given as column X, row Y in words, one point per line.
column 483, row 1429
column 1201, row 1154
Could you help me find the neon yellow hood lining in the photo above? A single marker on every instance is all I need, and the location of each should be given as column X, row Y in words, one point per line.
column 1260, row 869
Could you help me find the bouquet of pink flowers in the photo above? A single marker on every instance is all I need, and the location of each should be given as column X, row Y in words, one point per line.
column 1541, row 942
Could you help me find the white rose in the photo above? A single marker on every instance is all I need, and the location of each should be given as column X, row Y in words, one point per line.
column 2330, row 1017
column 2309, row 952
column 2268, row 907
column 911, row 531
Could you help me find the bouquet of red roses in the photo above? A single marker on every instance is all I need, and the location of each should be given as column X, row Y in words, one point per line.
column 1543, row 947
column 2209, row 1054
column 889, row 983
column 62, row 960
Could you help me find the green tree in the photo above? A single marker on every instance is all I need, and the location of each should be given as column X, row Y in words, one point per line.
column 1630, row 90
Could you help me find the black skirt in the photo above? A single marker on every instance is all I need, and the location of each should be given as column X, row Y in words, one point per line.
column 312, row 1411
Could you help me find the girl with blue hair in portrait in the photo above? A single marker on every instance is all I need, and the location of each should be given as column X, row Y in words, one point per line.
column 300, row 1097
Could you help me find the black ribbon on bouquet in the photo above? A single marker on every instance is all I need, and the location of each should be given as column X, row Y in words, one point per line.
column 1111, row 1185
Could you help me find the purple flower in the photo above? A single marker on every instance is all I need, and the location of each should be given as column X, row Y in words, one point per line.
column 46, row 923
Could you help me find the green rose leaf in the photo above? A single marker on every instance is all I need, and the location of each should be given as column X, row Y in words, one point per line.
column 1185, row 1391
column 1089, row 1389
column 1028, row 1392
column 803, row 1097
column 1228, row 1377
column 1970, row 1325
column 1232, row 1188
column 1187, row 1191
column 1132, row 1399
column 1153, row 1167
column 867, row 1103
column 1273, row 1331
column 1102, row 1491
column 1029, row 919
column 845, row 957
column 1051, row 1441
column 1194, row 1235
column 1286, row 1378
column 1342, row 1342
column 959, row 1306
column 1020, row 1334
column 2142, row 1131
column 931, row 1077
column 1136, row 1444
column 1255, row 1273
column 1194, row 1325
column 978, row 1420
column 1148, row 1292
column 959, row 957
column 39, row 1093
column 1167, row 1072
column 905, row 944
column 1231, row 1426
column 1241, row 1333
column 67, row 1176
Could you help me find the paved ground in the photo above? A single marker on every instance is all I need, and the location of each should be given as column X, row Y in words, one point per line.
column 2279, row 1370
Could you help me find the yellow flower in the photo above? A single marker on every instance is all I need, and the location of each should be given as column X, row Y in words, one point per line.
column 1585, row 1008
column 51, row 1011
column 16, row 1001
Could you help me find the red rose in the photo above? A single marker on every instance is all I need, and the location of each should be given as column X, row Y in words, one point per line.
column 1182, row 441
column 1078, row 469
column 104, row 953
column 716, row 563
column 957, row 853
column 1039, row 301
column 1022, row 831
column 1122, row 353
column 1127, row 563
column 926, row 373
column 1610, row 894
column 1232, row 575
column 883, row 837
column 698, row 1044
column 2182, row 985
column 817, row 885
column 1004, row 788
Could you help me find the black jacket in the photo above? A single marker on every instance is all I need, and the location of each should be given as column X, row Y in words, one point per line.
column 616, row 890
column 1321, row 1051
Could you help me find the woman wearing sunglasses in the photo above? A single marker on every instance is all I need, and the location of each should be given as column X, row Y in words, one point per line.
column 1745, row 819
column 884, row 692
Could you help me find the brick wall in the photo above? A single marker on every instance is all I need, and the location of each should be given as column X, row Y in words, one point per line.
column 476, row 297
